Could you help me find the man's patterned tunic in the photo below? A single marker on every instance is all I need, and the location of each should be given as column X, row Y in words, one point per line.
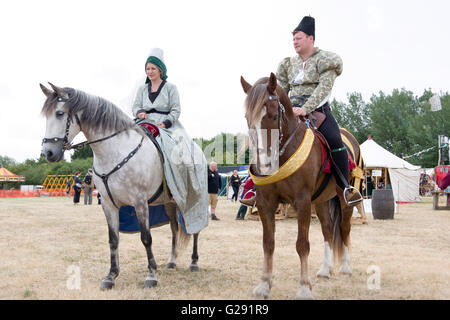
column 320, row 71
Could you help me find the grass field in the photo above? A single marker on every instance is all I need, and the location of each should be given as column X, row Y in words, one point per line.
column 45, row 243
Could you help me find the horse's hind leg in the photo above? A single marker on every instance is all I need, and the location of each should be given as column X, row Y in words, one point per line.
column 146, row 239
column 326, row 223
column 194, row 266
column 347, row 213
column 171, row 211
column 112, row 218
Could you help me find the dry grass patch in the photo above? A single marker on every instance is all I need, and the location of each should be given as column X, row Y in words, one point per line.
column 42, row 237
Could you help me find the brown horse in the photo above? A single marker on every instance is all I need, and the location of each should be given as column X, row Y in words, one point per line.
column 268, row 109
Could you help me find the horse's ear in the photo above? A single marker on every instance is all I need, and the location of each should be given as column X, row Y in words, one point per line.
column 59, row 91
column 245, row 85
column 272, row 86
column 46, row 91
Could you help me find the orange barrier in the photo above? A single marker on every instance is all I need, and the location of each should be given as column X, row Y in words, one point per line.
column 34, row 193
column 38, row 193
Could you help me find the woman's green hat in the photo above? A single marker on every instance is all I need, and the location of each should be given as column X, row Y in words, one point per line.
column 157, row 58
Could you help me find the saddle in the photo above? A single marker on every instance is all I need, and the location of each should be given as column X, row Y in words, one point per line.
column 317, row 118
column 151, row 128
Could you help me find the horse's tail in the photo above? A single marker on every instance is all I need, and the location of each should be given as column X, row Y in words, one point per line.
column 336, row 216
column 183, row 238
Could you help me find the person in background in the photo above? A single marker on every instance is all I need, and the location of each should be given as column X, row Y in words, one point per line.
column 88, row 186
column 69, row 184
column 250, row 197
column 235, row 184
column 214, row 186
column 77, row 188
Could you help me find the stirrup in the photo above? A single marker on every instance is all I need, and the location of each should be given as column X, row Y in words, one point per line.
column 349, row 203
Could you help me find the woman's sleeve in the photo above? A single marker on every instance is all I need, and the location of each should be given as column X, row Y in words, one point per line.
column 174, row 104
column 137, row 105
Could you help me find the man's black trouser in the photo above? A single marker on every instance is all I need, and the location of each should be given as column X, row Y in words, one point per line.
column 331, row 132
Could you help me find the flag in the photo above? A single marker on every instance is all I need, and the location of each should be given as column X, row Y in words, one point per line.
column 435, row 102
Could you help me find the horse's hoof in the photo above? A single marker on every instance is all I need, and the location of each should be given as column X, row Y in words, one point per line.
column 107, row 284
column 194, row 268
column 345, row 271
column 304, row 293
column 262, row 291
column 150, row 284
column 323, row 273
column 171, row 265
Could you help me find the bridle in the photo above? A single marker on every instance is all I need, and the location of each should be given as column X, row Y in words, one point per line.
column 65, row 139
column 281, row 113
column 66, row 144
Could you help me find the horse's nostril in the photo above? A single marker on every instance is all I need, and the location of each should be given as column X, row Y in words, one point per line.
column 49, row 154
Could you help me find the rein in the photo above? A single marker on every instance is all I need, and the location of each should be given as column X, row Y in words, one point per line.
column 281, row 112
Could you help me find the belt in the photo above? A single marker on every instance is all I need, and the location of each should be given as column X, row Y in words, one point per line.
column 303, row 98
column 157, row 111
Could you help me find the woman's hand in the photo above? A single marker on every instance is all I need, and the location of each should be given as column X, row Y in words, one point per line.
column 161, row 125
column 142, row 115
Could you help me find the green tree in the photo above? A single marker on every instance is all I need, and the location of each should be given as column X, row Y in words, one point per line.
column 6, row 161
column 82, row 153
column 391, row 117
column 353, row 116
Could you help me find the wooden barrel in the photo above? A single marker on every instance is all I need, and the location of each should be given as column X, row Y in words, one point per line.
column 383, row 204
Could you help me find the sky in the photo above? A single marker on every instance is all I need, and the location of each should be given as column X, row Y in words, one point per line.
column 100, row 47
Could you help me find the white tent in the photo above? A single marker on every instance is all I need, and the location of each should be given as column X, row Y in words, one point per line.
column 403, row 175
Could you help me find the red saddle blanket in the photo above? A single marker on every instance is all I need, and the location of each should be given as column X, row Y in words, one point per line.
column 327, row 169
column 152, row 128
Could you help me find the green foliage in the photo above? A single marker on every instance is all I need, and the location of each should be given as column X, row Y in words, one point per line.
column 400, row 122
column 225, row 148
column 353, row 116
column 6, row 161
column 35, row 171
column 82, row 153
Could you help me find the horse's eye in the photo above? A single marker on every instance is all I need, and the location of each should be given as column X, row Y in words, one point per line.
column 275, row 118
column 59, row 114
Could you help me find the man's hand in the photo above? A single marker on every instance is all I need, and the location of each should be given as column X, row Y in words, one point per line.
column 299, row 111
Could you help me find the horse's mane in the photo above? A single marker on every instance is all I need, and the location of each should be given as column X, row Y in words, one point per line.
column 96, row 111
column 254, row 103
column 256, row 98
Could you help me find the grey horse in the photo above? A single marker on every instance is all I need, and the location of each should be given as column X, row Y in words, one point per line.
column 122, row 148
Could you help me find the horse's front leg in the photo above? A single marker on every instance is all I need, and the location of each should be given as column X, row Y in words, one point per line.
column 146, row 238
column 112, row 218
column 326, row 223
column 303, row 207
column 266, row 211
